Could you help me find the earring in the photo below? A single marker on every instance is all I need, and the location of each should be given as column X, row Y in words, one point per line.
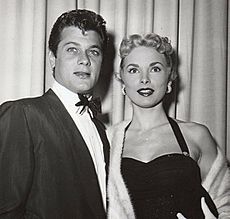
column 123, row 90
column 169, row 87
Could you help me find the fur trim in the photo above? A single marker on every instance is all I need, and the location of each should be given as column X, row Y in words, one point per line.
column 217, row 181
column 120, row 206
column 217, row 184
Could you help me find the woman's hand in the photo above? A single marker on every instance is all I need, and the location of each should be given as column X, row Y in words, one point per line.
column 207, row 213
column 180, row 216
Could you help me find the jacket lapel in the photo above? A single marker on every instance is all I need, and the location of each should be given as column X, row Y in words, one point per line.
column 83, row 161
column 101, row 130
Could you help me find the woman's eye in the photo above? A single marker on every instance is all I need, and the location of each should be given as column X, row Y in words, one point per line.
column 155, row 69
column 133, row 70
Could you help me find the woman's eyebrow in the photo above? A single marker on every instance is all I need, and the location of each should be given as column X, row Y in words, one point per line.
column 155, row 63
column 133, row 65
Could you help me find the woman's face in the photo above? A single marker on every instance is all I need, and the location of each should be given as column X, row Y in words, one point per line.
column 145, row 75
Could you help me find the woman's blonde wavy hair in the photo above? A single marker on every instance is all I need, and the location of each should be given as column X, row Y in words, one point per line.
column 160, row 44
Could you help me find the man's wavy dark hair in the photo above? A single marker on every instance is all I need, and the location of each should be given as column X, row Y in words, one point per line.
column 83, row 19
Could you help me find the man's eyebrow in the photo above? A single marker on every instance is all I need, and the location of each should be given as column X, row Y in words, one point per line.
column 77, row 44
column 66, row 44
column 95, row 46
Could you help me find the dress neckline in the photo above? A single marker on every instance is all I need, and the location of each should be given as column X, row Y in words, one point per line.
column 158, row 158
column 180, row 140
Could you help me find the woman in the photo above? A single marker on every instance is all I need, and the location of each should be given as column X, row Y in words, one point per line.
column 158, row 163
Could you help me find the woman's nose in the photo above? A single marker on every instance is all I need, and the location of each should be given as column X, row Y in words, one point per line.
column 145, row 79
column 83, row 59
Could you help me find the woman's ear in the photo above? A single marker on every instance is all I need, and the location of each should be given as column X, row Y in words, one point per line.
column 169, row 87
column 52, row 59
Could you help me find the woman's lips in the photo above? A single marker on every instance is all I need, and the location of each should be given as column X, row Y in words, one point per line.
column 145, row 92
column 82, row 74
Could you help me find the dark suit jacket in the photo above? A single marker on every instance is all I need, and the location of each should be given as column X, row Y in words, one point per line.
column 46, row 170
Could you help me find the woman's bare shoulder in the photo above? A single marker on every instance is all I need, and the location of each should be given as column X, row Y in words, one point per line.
column 197, row 133
column 199, row 136
column 194, row 129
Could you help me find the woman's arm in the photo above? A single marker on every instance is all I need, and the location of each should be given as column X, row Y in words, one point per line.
column 208, row 214
column 215, row 173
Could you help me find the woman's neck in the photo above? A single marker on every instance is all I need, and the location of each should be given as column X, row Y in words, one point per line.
column 147, row 118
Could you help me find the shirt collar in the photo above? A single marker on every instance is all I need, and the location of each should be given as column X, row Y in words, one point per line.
column 67, row 97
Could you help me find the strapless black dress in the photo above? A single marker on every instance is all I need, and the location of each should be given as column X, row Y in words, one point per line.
column 166, row 185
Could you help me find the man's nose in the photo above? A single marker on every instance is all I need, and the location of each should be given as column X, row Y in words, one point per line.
column 83, row 59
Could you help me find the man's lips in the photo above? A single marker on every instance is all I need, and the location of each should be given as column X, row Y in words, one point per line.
column 145, row 92
column 82, row 74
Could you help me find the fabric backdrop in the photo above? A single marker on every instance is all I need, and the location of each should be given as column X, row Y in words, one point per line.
column 198, row 29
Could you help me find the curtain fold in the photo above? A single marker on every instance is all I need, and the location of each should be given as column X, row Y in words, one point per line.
column 227, row 137
column 208, row 81
column 22, row 48
column 185, row 54
column 199, row 32
column 54, row 9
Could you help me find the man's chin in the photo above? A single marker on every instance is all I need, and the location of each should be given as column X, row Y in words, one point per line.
column 83, row 91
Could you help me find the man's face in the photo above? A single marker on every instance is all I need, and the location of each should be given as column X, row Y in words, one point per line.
column 78, row 61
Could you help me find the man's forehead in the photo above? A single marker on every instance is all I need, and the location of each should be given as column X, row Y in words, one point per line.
column 74, row 31
column 74, row 36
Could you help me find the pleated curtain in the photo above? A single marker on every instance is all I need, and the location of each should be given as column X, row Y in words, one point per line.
column 199, row 31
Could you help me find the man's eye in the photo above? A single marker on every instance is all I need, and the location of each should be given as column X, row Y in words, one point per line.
column 133, row 70
column 94, row 52
column 72, row 49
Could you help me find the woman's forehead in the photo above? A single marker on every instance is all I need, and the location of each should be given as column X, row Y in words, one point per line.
column 144, row 55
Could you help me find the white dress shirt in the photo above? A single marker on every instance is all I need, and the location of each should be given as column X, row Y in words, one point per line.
column 88, row 131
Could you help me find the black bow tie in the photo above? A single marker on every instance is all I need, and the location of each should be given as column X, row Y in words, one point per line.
column 94, row 104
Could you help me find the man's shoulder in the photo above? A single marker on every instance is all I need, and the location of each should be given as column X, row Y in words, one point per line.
column 26, row 103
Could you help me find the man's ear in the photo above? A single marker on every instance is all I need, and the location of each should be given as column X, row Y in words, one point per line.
column 118, row 76
column 52, row 59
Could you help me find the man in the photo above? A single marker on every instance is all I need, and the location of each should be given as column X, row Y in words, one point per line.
column 53, row 152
